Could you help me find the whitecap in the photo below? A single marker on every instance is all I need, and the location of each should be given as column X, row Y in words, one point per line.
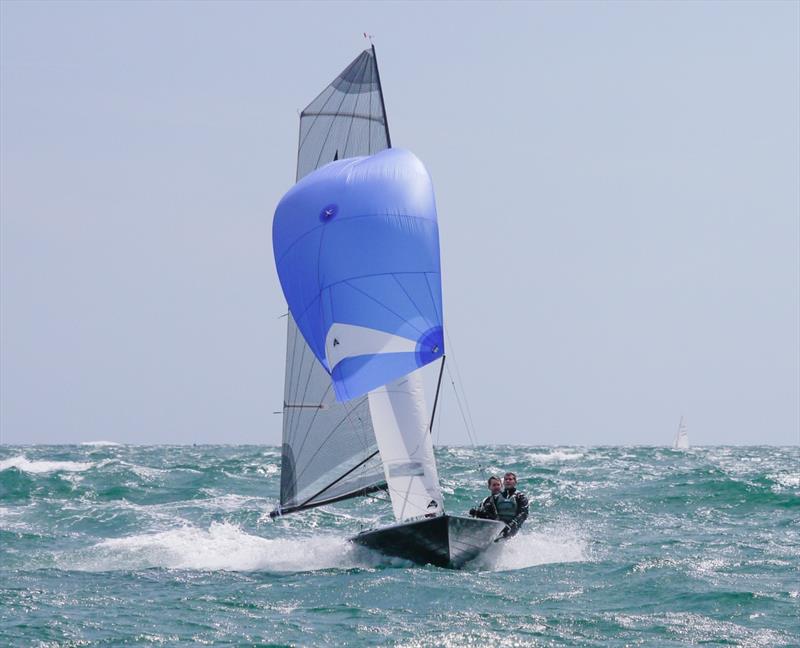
column 269, row 469
column 786, row 480
column 100, row 443
column 21, row 462
column 553, row 456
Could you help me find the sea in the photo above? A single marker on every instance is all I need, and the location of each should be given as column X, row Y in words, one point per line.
column 120, row 545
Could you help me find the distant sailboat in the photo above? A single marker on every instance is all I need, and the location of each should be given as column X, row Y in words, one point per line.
column 681, row 437
column 356, row 246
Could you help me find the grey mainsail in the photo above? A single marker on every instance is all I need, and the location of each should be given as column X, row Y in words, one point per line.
column 347, row 119
column 329, row 452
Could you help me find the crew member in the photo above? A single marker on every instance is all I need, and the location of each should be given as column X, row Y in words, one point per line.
column 512, row 505
column 487, row 509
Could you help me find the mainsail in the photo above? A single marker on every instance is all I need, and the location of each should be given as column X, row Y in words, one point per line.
column 329, row 448
column 357, row 251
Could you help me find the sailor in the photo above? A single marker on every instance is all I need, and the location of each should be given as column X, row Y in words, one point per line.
column 512, row 506
column 487, row 509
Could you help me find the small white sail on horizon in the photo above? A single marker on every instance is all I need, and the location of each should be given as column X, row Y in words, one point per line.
column 681, row 437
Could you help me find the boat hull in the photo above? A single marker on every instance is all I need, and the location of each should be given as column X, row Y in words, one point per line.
column 445, row 541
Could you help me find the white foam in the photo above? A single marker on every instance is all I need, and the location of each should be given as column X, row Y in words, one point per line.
column 100, row 443
column 226, row 547
column 145, row 472
column 528, row 549
column 692, row 628
column 554, row 456
column 21, row 462
column 222, row 546
column 786, row 480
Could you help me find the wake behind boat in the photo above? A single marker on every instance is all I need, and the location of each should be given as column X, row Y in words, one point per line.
column 356, row 245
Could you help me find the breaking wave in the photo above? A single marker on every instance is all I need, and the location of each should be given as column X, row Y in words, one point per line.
column 21, row 462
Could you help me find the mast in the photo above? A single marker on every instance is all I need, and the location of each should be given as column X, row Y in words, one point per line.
column 383, row 105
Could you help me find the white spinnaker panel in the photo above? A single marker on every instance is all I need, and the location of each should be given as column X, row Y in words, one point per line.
column 349, row 341
column 400, row 422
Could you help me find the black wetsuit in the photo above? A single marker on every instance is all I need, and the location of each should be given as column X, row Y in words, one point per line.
column 487, row 509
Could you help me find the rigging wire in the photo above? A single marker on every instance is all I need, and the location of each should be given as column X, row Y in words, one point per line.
column 463, row 391
column 466, row 414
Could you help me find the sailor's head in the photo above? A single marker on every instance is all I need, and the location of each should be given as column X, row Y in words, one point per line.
column 510, row 480
column 494, row 484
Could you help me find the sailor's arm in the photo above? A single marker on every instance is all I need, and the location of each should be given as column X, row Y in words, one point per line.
column 522, row 513
column 484, row 510
column 479, row 511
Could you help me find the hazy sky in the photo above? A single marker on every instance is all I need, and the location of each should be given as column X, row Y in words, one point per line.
column 617, row 186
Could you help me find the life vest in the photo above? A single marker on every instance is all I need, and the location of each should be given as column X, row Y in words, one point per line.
column 506, row 507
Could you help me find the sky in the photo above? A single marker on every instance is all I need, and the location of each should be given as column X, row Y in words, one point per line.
column 617, row 187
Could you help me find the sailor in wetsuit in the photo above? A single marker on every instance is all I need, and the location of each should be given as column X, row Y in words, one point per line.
column 511, row 505
column 487, row 509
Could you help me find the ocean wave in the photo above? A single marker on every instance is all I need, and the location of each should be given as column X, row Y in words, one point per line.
column 554, row 456
column 785, row 481
column 22, row 463
column 99, row 443
column 697, row 628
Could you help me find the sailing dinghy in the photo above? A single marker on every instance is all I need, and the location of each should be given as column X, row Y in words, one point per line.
column 356, row 246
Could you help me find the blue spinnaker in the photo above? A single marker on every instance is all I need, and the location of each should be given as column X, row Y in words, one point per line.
column 356, row 246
